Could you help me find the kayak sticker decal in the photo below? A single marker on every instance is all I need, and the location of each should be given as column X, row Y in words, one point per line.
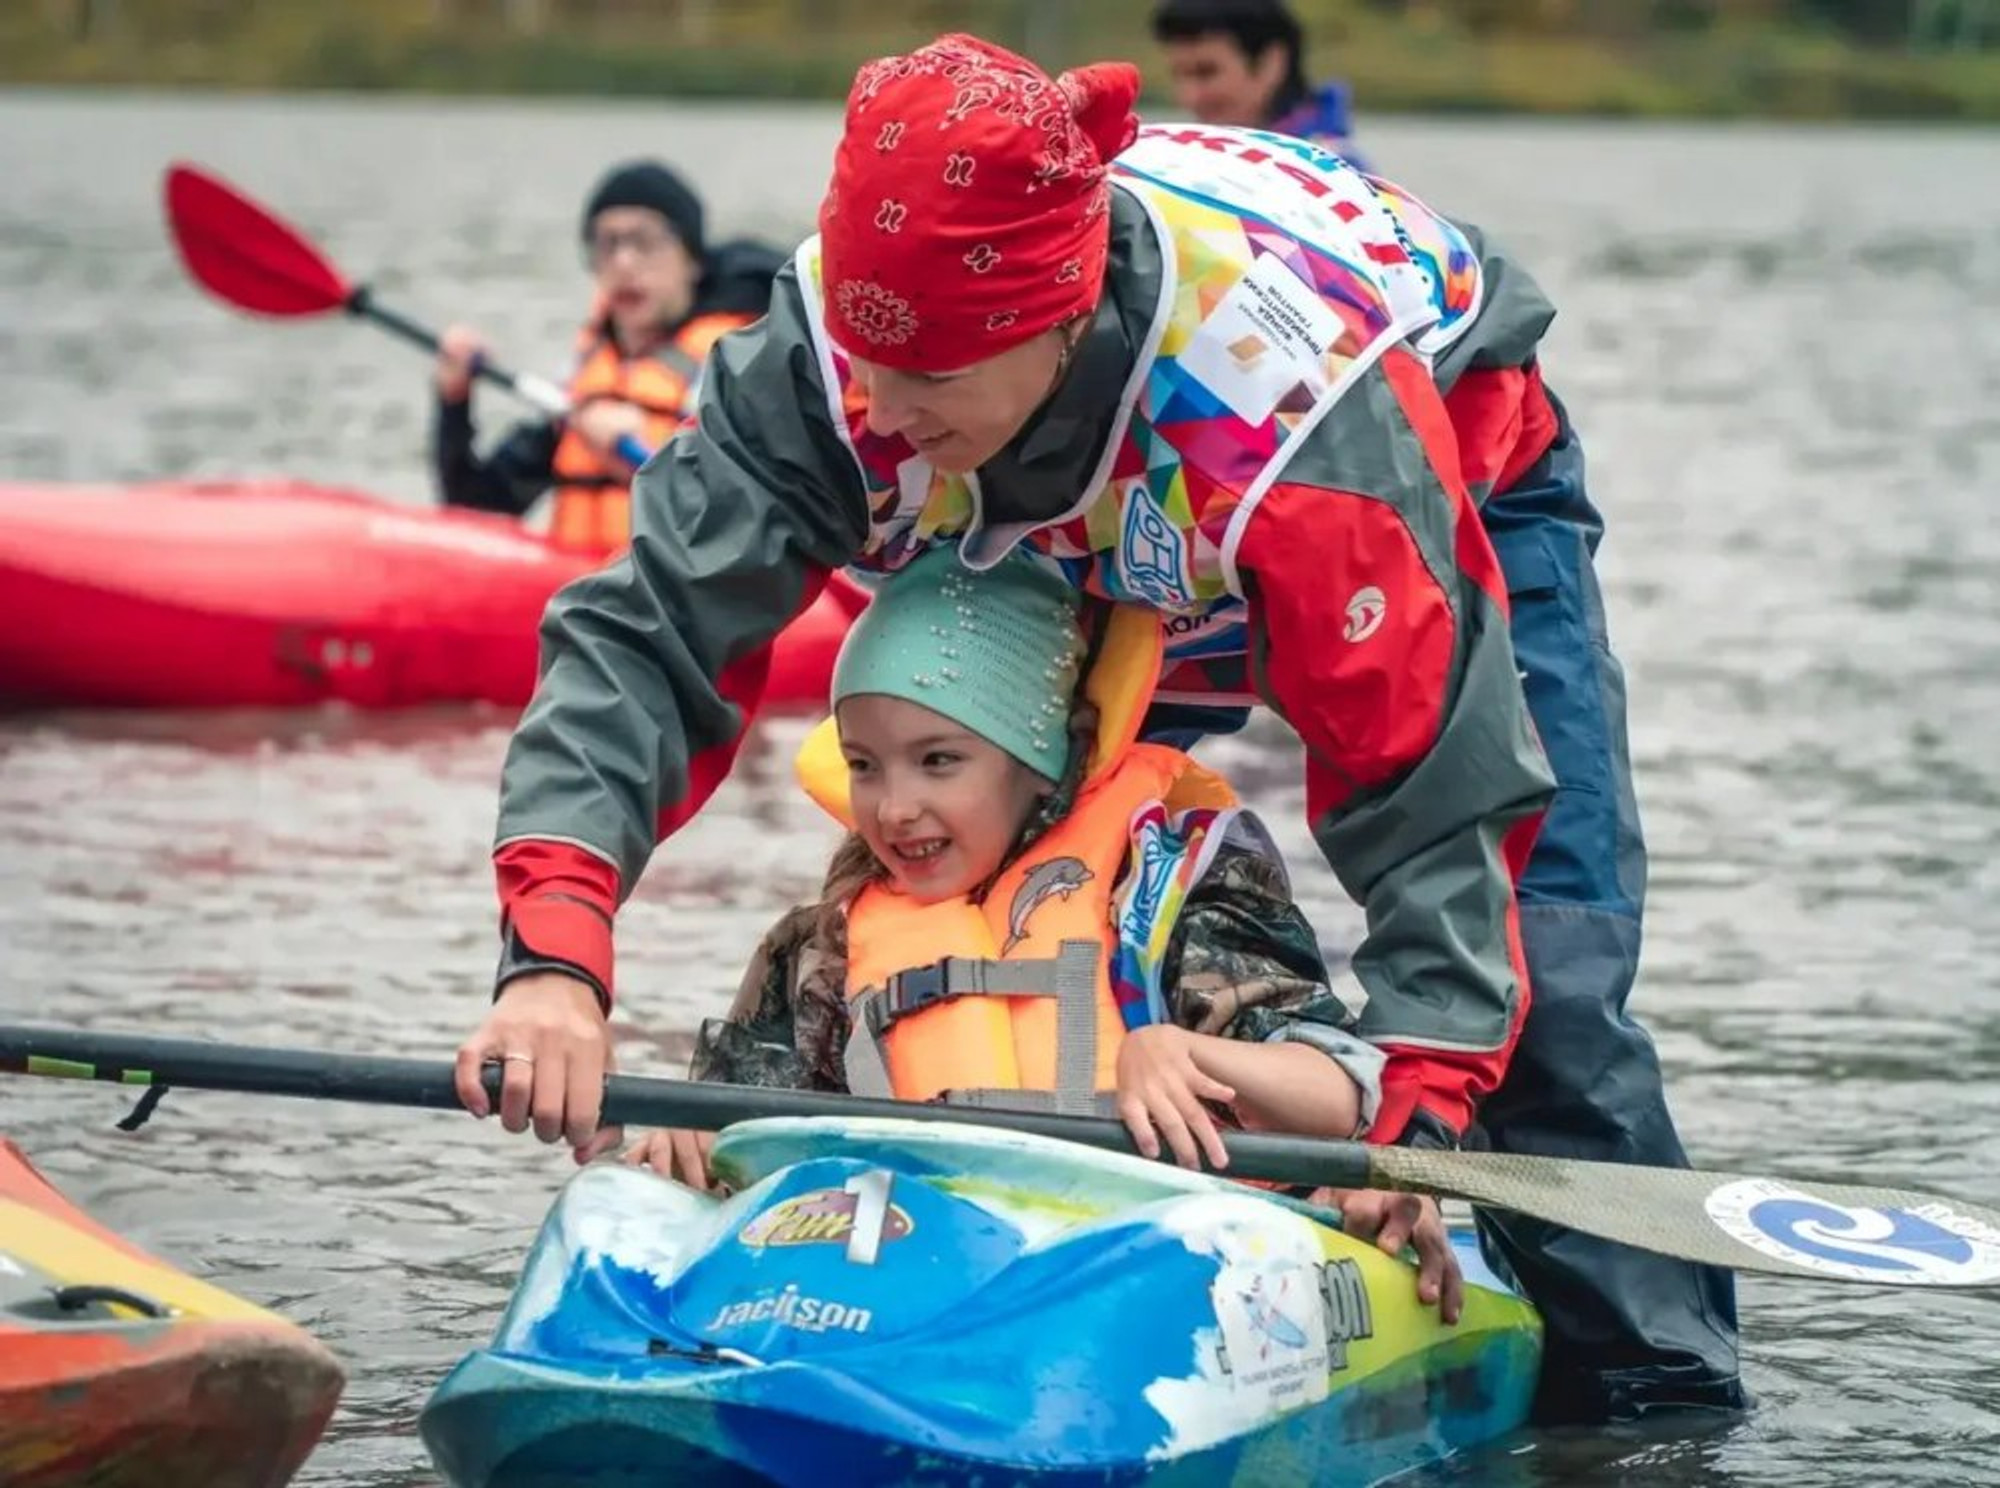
column 792, row 1309
column 1283, row 1332
column 1267, row 1342
column 1272, row 1333
column 1921, row 1246
column 824, row 1216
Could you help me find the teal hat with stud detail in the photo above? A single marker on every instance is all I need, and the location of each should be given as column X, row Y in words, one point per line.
column 997, row 651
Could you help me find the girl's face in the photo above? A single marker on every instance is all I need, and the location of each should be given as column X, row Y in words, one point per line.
column 937, row 804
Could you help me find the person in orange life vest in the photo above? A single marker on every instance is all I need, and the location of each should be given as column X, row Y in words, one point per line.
column 997, row 804
column 1241, row 62
column 663, row 298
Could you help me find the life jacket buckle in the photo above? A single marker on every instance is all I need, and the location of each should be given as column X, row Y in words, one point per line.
column 917, row 987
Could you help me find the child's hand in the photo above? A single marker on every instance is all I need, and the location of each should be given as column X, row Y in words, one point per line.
column 1160, row 1093
column 674, row 1153
column 604, row 1139
column 1393, row 1220
column 459, row 351
column 604, row 422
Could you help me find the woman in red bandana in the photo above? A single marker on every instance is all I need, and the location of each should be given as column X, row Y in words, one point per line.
column 1214, row 371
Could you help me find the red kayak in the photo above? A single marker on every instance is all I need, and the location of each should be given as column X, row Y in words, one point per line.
column 279, row 594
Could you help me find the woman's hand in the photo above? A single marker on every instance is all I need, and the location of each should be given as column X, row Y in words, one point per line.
column 549, row 1035
column 1160, row 1094
column 1393, row 1220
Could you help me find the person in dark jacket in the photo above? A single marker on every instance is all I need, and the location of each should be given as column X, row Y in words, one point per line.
column 1220, row 373
column 1242, row 62
column 664, row 296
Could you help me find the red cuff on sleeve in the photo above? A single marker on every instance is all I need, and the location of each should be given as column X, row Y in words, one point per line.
column 1402, row 1088
column 559, row 901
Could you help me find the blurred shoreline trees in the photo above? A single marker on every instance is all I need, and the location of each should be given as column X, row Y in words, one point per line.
column 1731, row 58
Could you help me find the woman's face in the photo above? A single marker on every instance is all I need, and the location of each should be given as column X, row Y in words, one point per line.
column 960, row 420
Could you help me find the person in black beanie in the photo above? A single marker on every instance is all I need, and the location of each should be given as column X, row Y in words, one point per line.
column 663, row 298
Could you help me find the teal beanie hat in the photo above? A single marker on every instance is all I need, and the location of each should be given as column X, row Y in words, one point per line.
column 996, row 651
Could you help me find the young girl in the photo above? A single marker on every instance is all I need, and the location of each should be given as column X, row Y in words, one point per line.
column 1031, row 909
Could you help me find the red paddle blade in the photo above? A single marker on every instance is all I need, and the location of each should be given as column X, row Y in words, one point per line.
column 242, row 254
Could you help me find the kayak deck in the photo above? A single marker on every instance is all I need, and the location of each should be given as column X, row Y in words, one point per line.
column 117, row 1370
column 966, row 1306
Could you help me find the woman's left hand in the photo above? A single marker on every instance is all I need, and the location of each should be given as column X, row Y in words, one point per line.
column 1160, row 1094
column 1393, row 1220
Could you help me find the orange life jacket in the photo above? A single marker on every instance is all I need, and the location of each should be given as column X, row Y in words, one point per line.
column 1010, row 1001
column 1013, row 993
column 593, row 503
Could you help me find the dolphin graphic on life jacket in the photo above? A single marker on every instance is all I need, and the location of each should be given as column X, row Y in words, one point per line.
column 1057, row 879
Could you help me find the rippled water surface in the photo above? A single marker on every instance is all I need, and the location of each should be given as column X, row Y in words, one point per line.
column 1780, row 346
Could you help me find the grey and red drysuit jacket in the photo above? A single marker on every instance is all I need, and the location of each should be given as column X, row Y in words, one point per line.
column 1365, row 608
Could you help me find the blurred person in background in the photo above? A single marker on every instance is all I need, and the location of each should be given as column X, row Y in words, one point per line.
column 663, row 299
column 1242, row 62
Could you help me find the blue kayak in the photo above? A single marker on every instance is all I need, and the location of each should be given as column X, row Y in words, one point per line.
column 895, row 1302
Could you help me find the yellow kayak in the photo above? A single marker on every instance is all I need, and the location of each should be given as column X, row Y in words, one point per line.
column 117, row 1369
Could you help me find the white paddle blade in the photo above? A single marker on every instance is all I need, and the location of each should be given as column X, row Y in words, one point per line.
column 1825, row 1231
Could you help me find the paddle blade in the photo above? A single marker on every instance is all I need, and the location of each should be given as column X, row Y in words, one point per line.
column 242, row 254
column 1825, row 1231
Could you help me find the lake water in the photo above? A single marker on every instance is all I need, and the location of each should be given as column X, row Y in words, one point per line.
column 1779, row 344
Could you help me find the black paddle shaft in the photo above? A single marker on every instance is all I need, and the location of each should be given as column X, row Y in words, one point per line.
column 1747, row 1222
column 362, row 303
column 136, row 1060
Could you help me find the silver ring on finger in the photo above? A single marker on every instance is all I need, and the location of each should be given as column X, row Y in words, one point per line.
column 527, row 1059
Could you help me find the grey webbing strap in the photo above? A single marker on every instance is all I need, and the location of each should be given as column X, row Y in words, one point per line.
column 971, row 976
column 1071, row 978
column 678, row 360
column 1076, row 1027
column 867, row 1072
column 876, row 1009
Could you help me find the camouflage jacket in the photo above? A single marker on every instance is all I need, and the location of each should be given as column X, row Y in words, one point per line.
column 1242, row 962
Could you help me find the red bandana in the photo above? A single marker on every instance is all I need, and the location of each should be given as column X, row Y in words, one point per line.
column 968, row 210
